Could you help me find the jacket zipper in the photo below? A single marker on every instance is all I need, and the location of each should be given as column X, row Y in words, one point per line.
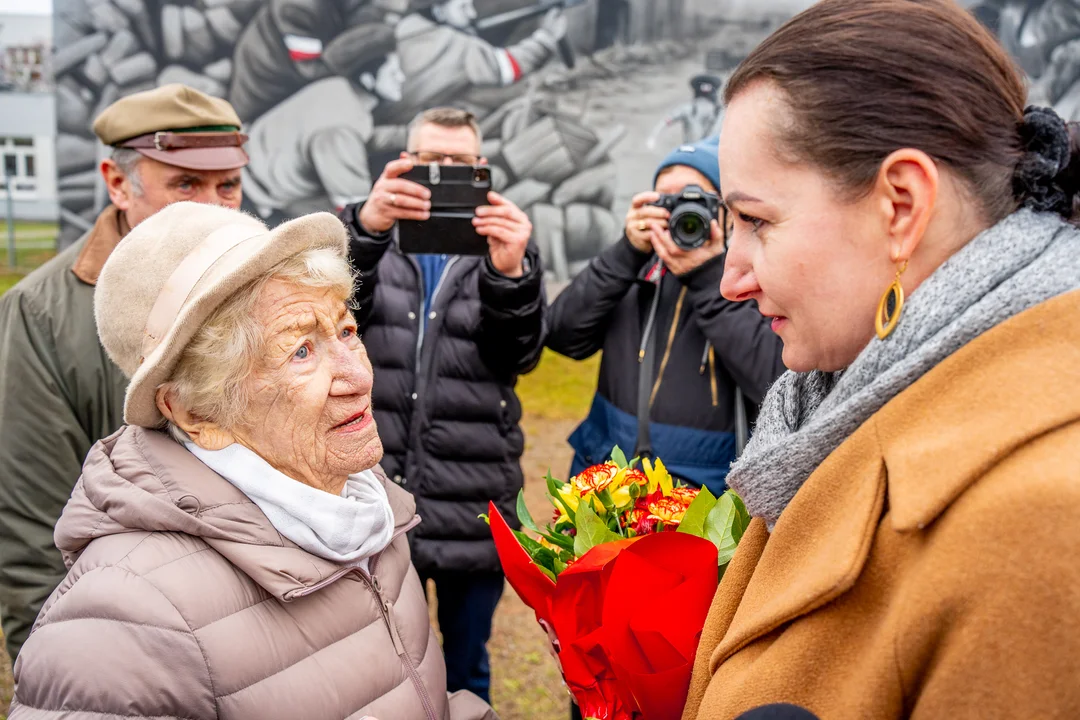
column 372, row 581
column 709, row 356
column 399, row 646
column 388, row 617
column 670, row 342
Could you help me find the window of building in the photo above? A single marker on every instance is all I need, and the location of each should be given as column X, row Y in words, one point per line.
column 20, row 165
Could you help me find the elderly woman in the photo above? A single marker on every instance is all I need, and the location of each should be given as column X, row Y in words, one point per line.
column 915, row 477
column 235, row 551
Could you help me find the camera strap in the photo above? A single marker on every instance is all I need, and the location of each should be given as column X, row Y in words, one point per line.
column 646, row 363
column 645, row 382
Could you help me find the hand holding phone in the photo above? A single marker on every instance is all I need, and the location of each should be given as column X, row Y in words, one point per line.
column 394, row 198
column 456, row 192
column 508, row 230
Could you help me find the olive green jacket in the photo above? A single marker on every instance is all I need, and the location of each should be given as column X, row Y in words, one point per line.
column 59, row 394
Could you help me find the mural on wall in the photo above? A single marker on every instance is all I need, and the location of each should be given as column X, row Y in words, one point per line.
column 1044, row 37
column 577, row 99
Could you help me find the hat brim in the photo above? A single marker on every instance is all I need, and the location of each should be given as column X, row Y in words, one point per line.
column 209, row 158
column 319, row 230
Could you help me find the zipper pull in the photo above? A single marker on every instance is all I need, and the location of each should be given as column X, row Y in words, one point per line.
column 399, row 646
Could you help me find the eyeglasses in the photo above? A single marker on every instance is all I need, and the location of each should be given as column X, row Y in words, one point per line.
column 426, row 157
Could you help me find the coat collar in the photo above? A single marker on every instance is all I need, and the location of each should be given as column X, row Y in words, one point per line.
column 997, row 393
column 109, row 229
column 141, row 480
column 920, row 452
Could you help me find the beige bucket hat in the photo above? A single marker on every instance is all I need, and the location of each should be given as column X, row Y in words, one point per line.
column 172, row 271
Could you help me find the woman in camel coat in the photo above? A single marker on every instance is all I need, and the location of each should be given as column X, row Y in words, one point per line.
column 915, row 476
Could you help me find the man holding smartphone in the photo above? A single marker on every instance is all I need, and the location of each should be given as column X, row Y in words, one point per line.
column 448, row 336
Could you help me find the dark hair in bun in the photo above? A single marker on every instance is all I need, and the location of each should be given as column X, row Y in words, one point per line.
column 864, row 78
column 1046, row 178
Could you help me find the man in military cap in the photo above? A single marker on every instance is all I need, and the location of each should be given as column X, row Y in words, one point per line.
column 59, row 392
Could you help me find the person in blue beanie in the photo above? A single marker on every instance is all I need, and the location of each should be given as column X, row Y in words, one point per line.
column 683, row 369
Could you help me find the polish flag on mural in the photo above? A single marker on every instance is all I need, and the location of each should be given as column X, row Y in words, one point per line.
column 303, row 48
column 509, row 70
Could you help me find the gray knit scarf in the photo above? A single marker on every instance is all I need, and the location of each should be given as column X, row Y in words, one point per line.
column 1022, row 261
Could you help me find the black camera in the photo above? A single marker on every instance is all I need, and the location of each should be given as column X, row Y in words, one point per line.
column 692, row 211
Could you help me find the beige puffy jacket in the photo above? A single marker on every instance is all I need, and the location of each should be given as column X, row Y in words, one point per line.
column 183, row 601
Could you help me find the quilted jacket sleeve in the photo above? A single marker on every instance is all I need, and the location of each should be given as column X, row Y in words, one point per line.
column 90, row 656
column 511, row 335
column 580, row 316
column 365, row 252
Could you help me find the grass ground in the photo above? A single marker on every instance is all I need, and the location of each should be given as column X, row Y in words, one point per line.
column 526, row 684
column 34, row 244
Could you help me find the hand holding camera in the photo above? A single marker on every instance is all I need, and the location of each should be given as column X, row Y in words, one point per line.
column 681, row 228
column 643, row 209
column 393, row 198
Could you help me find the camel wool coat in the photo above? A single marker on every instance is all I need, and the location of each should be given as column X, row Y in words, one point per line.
column 930, row 566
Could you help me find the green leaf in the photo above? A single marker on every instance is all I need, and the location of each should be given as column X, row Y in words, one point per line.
column 563, row 541
column 693, row 521
column 591, row 531
column 725, row 525
column 523, row 512
column 546, row 558
column 531, row 546
column 485, row 518
column 553, row 492
column 744, row 515
column 549, row 573
column 618, row 457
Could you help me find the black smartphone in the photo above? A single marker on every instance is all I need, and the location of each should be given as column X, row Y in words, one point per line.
column 456, row 192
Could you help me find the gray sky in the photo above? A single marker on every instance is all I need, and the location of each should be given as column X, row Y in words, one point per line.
column 33, row 7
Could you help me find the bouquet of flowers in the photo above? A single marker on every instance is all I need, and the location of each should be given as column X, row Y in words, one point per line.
column 624, row 574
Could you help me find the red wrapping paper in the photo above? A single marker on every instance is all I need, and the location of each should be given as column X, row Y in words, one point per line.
column 628, row 615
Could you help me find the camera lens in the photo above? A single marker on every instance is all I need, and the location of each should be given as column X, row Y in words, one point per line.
column 690, row 226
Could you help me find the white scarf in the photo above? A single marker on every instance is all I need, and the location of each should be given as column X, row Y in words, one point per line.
column 347, row 528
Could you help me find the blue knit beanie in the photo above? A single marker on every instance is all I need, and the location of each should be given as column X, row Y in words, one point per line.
column 702, row 156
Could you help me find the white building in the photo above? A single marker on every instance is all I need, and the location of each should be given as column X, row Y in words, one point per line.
column 27, row 117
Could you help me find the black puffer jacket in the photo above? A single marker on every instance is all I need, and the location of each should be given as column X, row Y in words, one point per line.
column 444, row 396
column 705, row 347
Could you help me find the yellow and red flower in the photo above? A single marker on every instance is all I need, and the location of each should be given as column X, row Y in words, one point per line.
column 667, row 510
column 598, row 478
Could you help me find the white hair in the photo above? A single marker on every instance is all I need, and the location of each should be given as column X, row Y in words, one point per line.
column 127, row 160
column 210, row 379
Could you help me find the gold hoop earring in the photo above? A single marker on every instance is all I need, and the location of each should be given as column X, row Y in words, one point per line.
column 890, row 305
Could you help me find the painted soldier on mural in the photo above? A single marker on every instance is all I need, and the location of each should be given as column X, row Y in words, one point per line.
column 290, row 43
column 312, row 148
column 442, row 55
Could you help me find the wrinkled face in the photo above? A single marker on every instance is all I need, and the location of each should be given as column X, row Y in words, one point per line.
column 390, row 79
column 159, row 185
column 310, row 411
column 458, row 13
column 815, row 261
